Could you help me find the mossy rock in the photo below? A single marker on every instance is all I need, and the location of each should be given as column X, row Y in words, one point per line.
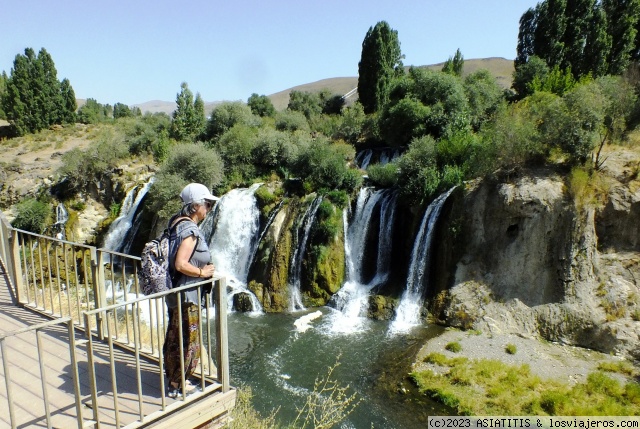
column 381, row 307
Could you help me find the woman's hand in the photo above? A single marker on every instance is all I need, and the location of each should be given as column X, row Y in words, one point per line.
column 207, row 271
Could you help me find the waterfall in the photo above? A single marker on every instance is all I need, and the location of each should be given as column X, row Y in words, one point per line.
column 233, row 242
column 351, row 299
column 363, row 158
column 300, row 245
column 120, row 228
column 408, row 312
column 62, row 216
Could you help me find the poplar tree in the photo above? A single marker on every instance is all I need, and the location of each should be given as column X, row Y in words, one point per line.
column 526, row 36
column 622, row 19
column 597, row 45
column 183, row 116
column 579, row 17
column 549, row 32
column 380, row 61
column 34, row 98
column 69, row 103
column 199, row 116
column 454, row 65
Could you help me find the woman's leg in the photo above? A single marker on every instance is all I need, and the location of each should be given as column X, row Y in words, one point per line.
column 190, row 341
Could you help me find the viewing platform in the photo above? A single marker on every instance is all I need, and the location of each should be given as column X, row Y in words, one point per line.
column 81, row 347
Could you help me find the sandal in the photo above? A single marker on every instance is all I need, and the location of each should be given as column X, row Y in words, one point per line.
column 174, row 391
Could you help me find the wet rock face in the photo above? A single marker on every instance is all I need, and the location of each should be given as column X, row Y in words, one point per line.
column 242, row 302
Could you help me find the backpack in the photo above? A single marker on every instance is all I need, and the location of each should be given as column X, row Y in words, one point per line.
column 155, row 273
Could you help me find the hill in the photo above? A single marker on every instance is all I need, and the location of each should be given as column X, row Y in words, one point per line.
column 501, row 68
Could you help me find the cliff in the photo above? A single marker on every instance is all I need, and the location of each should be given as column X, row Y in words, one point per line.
column 531, row 257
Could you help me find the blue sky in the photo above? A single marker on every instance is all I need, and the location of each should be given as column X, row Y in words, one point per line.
column 132, row 51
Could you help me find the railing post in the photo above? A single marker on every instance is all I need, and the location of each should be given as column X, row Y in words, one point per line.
column 99, row 293
column 222, row 338
column 15, row 264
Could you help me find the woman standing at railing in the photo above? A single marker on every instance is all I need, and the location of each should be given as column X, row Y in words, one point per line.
column 189, row 258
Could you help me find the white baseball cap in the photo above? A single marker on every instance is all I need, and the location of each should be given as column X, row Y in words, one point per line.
column 196, row 193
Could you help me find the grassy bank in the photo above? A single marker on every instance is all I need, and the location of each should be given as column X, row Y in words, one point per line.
column 490, row 387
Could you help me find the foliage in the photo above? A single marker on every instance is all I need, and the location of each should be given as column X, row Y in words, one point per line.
column 244, row 416
column 511, row 349
column 418, row 175
column 385, row 176
column 622, row 26
column 351, row 126
column 261, row 105
column 225, row 116
column 32, row 215
column 484, row 96
column 535, row 69
column 121, row 110
column 380, row 61
column 237, row 147
column 273, row 149
column 93, row 112
column 32, row 98
column 82, row 167
column 185, row 163
column 454, row 347
column 291, row 121
column 148, row 134
column 454, row 65
column 424, row 102
column 189, row 118
column 327, row 405
column 489, row 387
column 322, row 165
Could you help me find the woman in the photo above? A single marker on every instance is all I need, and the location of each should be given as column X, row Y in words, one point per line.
column 189, row 257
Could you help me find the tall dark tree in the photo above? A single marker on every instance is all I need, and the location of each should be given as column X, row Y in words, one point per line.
column 549, row 32
column 380, row 61
column 33, row 99
column 199, row 116
column 597, row 45
column 3, row 89
column 526, row 36
column 121, row 110
column 622, row 19
column 187, row 124
column 69, row 103
column 454, row 65
column 579, row 14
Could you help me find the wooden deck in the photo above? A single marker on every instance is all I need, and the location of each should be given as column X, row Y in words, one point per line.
column 150, row 409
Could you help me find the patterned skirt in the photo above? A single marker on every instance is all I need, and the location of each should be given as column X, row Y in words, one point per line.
column 190, row 341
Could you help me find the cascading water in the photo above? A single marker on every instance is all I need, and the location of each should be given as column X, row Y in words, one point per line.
column 351, row 299
column 62, row 216
column 121, row 228
column 233, row 241
column 408, row 312
column 363, row 158
column 300, row 245
column 381, row 156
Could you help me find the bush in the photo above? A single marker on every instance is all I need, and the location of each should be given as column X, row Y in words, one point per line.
column 385, row 176
column 32, row 215
column 510, row 348
column 291, row 121
column 454, row 347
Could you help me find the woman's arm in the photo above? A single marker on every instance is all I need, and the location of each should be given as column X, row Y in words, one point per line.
column 182, row 260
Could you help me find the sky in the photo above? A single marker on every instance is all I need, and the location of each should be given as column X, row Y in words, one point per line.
column 134, row 51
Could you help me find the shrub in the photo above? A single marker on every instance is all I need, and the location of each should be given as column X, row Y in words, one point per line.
column 32, row 215
column 385, row 176
column 510, row 348
column 454, row 347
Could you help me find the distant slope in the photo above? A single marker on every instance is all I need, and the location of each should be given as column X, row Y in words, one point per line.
column 501, row 68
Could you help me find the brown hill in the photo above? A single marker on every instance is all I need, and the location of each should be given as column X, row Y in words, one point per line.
column 501, row 68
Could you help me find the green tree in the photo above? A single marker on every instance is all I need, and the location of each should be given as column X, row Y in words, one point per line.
column 121, row 110
column 597, row 45
column 185, row 163
column 69, row 103
column 92, row 112
column 523, row 76
column 188, row 118
column 622, row 19
column 3, row 89
column 454, row 65
column 579, row 15
column 484, row 95
column 526, row 37
column 309, row 103
column 551, row 25
column 261, row 105
column 380, row 61
column 226, row 115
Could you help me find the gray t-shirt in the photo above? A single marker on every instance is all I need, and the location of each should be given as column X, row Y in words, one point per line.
column 201, row 257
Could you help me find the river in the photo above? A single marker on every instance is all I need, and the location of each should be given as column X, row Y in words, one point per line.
column 280, row 364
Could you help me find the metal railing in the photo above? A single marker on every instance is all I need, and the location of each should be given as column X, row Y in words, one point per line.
column 97, row 291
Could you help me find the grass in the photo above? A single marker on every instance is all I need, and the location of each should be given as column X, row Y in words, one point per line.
column 511, row 349
column 490, row 387
column 454, row 347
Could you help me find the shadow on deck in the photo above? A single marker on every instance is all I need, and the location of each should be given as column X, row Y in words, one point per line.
column 55, row 375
